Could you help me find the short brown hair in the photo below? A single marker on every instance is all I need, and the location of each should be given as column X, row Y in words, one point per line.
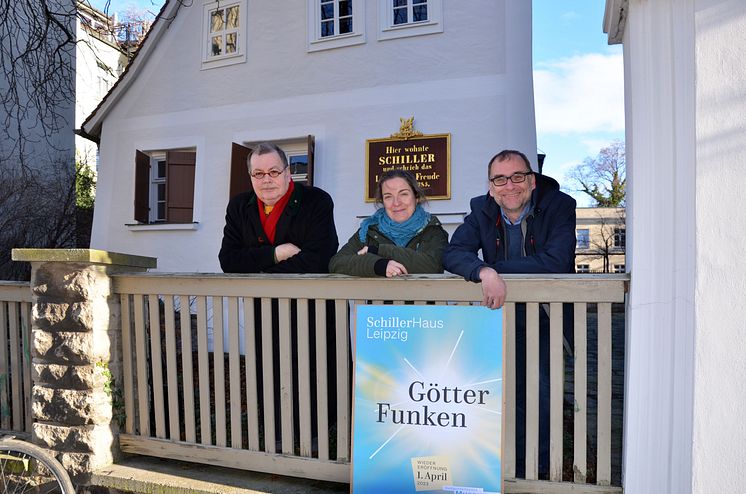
column 506, row 154
column 419, row 194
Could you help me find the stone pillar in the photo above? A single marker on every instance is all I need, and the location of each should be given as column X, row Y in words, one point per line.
column 76, row 353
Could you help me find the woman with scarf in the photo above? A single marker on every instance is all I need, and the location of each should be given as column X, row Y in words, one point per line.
column 400, row 238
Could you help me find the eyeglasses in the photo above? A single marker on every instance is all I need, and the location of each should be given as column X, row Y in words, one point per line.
column 516, row 178
column 274, row 173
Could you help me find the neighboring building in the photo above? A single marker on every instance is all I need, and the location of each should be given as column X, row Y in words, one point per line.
column 601, row 237
column 320, row 79
column 99, row 62
column 685, row 364
column 53, row 83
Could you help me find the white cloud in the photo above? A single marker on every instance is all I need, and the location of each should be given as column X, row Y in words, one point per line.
column 594, row 145
column 580, row 94
column 569, row 16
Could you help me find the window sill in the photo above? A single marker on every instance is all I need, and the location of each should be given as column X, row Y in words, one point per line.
column 413, row 29
column 149, row 227
column 337, row 41
column 223, row 61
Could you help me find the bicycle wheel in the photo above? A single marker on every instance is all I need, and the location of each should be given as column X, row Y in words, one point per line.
column 27, row 468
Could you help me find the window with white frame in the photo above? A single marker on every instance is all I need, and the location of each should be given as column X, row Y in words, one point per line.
column 583, row 236
column 164, row 186
column 401, row 18
column 224, row 33
column 335, row 23
column 619, row 268
column 157, row 187
column 582, row 268
column 335, row 17
column 409, row 11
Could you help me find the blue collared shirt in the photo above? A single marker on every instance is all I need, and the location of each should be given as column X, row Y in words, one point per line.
column 520, row 218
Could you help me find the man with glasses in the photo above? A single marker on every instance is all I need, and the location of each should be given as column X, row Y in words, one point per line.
column 280, row 226
column 524, row 224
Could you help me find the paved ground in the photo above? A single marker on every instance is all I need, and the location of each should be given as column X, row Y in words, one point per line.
column 147, row 475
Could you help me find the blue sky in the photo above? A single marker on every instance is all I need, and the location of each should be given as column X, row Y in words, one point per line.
column 578, row 80
column 578, row 84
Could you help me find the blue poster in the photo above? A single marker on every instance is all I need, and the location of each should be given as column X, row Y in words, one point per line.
column 428, row 399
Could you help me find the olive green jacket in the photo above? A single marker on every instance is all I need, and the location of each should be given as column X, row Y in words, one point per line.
column 421, row 255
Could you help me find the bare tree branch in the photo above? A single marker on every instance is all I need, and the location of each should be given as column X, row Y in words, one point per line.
column 603, row 178
column 37, row 87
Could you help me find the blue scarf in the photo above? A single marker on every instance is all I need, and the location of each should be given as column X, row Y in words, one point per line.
column 400, row 233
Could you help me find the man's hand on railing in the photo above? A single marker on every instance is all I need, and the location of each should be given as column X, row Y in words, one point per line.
column 493, row 288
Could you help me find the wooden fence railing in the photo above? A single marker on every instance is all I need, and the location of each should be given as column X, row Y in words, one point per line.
column 277, row 397
column 15, row 357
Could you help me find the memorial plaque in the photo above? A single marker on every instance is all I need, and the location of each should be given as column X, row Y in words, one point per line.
column 427, row 157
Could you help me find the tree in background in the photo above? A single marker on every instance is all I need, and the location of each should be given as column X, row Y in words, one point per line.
column 604, row 177
column 37, row 69
column 85, row 195
column 46, row 197
column 131, row 27
column 606, row 243
column 38, row 210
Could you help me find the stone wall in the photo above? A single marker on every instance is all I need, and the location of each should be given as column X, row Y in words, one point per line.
column 76, row 354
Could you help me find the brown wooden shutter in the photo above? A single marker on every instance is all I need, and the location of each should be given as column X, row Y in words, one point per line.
column 180, row 186
column 311, row 149
column 240, row 180
column 142, row 186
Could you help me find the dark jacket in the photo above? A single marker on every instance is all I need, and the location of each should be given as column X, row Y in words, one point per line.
column 307, row 222
column 549, row 236
column 422, row 254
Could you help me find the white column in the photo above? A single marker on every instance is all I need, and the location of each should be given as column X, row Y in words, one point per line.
column 659, row 79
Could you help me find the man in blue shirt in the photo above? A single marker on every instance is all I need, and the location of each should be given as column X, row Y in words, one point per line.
column 524, row 224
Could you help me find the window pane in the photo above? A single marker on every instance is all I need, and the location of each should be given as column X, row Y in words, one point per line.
column 400, row 16
column 400, row 3
column 217, row 45
column 216, row 21
column 161, row 191
column 327, row 28
column 345, row 8
column 620, row 237
column 232, row 15
column 161, row 211
column 327, row 11
column 419, row 13
column 298, row 164
column 161, row 169
column 345, row 25
column 230, row 43
column 583, row 236
column 415, row 2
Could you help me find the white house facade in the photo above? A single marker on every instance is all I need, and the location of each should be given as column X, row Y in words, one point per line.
column 98, row 64
column 317, row 77
column 685, row 396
